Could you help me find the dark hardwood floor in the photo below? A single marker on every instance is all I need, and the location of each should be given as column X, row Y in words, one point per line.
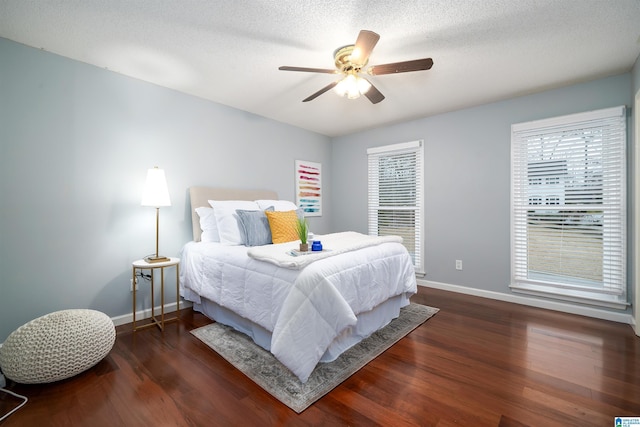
column 478, row 362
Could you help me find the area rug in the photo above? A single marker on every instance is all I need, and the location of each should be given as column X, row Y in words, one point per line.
column 266, row 371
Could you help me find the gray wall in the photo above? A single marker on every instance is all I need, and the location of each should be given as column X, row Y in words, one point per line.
column 635, row 73
column 467, row 178
column 76, row 142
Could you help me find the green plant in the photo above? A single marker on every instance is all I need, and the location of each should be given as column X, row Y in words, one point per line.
column 302, row 228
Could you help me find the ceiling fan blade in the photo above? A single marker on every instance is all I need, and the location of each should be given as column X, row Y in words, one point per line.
column 374, row 94
column 308, row 70
column 364, row 45
column 401, row 67
column 320, row 92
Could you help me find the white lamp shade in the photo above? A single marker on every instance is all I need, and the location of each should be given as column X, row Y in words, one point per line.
column 155, row 191
column 352, row 86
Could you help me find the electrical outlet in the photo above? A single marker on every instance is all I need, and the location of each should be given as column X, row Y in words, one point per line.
column 458, row 264
column 131, row 284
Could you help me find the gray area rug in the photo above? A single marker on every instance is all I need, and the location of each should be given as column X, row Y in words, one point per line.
column 266, row 371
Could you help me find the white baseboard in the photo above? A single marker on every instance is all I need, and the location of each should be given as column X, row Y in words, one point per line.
column 533, row 302
column 146, row 314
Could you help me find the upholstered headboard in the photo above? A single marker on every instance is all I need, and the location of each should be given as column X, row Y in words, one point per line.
column 201, row 195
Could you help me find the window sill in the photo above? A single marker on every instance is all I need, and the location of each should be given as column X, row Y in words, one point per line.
column 600, row 300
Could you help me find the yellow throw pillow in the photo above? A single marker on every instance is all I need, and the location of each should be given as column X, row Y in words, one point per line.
column 283, row 226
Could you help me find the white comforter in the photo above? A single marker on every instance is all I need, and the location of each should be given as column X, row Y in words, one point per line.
column 305, row 309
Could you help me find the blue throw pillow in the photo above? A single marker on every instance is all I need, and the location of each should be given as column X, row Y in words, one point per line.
column 254, row 227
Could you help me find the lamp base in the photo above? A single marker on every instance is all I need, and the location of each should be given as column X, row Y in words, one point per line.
column 156, row 258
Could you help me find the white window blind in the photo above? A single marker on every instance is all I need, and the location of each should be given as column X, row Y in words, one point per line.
column 396, row 193
column 568, row 198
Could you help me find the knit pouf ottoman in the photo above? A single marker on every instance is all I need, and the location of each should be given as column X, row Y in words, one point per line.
column 56, row 346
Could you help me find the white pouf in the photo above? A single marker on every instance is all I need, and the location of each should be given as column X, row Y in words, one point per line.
column 56, row 346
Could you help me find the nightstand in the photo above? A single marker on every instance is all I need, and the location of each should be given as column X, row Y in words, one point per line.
column 140, row 265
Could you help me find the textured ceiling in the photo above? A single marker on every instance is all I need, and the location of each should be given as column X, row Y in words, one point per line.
column 229, row 51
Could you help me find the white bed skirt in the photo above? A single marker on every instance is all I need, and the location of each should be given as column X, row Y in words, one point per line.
column 368, row 322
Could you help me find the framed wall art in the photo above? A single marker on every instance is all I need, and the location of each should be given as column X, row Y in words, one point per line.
column 309, row 187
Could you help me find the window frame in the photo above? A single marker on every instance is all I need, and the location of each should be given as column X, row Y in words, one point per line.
column 416, row 147
column 608, row 295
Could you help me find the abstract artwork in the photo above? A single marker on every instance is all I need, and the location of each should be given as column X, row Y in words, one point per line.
column 309, row 187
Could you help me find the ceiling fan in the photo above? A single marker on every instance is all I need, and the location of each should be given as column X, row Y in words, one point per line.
column 351, row 60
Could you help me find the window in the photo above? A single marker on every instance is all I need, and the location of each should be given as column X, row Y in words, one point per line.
column 568, row 201
column 395, row 195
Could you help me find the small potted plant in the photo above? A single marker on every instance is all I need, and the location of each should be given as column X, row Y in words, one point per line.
column 302, row 228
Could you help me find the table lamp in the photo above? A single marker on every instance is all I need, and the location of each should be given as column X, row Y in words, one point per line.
column 156, row 194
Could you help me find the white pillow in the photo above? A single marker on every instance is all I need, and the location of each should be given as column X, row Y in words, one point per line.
column 278, row 205
column 227, row 219
column 208, row 225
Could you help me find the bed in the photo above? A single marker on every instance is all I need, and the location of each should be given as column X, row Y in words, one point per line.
column 305, row 310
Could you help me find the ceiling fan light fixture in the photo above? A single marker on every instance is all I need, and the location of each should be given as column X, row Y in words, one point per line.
column 351, row 60
column 352, row 86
